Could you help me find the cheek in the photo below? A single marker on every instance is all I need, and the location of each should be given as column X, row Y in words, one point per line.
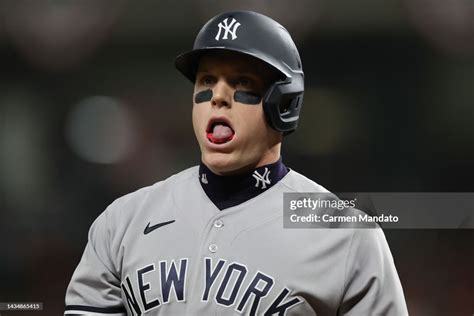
column 254, row 124
column 197, row 117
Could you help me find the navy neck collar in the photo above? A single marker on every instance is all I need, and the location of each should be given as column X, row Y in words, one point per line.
column 228, row 191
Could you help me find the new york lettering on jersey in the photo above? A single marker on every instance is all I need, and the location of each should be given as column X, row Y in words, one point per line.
column 223, row 284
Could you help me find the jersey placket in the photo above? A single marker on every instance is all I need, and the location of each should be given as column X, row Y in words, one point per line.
column 214, row 245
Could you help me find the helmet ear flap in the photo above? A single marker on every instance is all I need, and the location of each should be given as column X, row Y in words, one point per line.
column 282, row 104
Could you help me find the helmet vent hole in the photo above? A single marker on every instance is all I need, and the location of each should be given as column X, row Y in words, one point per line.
column 285, row 106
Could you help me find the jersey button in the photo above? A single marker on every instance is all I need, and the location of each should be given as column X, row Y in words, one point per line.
column 212, row 248
column 218, row 223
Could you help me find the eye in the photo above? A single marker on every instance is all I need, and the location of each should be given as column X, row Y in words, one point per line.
column 207, row 80
column 245, row 83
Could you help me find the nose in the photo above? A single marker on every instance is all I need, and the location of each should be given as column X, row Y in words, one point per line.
column 221, row 94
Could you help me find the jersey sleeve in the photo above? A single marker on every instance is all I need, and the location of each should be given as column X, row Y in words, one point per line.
column 95, row 285
column 372, row 285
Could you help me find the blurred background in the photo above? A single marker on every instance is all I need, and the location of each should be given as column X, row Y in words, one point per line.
column 91, row 108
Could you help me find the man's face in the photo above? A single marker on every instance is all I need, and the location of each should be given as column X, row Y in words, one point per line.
column 231, row 128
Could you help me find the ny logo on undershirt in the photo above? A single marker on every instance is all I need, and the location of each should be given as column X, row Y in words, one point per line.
column 204, row 178
column 263, row 179
column 227, row 29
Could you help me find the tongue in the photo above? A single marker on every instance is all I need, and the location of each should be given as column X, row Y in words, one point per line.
column 221, row 133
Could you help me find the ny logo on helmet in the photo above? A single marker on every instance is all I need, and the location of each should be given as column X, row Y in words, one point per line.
column 227, row 29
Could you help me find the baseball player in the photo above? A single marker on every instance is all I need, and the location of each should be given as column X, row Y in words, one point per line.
column 210, row 239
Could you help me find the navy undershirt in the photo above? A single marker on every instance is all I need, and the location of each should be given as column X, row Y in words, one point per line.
column 228, row 191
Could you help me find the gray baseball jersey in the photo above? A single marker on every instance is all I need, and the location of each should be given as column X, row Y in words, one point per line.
column 168, row 250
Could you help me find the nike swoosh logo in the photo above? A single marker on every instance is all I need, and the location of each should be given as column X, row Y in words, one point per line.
column 149, row 229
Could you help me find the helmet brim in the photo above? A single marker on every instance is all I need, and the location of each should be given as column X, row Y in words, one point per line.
column 187, row 63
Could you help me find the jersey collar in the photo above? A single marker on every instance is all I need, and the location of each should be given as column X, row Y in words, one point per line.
column 228, row 191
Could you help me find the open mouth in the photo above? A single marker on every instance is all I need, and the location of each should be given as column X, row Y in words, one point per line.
column 219, row 131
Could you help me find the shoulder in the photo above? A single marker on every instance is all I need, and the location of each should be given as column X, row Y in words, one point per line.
column 158, row 188
column 136, row 203
column 297, row 182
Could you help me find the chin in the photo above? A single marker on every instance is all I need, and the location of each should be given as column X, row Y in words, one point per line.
column 222, row 163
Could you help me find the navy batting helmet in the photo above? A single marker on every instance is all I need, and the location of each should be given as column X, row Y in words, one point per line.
column 259, row 36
